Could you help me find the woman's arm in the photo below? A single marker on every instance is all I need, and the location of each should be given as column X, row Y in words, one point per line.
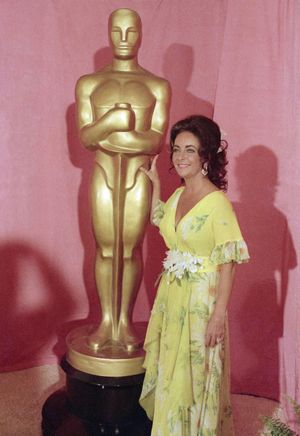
column 216, row 325
column 154, row 177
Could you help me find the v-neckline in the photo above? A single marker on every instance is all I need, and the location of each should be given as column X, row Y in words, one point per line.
column 192, row 208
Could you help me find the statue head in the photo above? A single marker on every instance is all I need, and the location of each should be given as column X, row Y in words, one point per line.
column 125, row 33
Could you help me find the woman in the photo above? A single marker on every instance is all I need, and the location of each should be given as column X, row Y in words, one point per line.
column 186, row 386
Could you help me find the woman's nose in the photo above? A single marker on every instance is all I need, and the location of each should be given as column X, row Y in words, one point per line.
column 181, row 154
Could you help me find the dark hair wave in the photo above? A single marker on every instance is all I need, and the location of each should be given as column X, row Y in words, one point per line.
column 212, row 149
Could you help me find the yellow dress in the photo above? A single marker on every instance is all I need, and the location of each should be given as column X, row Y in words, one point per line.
column 186, row 385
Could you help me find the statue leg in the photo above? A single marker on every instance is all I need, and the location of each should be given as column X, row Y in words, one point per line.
column 136, row 216
column 102, row 211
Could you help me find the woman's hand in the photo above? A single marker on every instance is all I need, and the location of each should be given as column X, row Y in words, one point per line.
column 216, row 326
column 215, row 330
column 154, row 177
column 152, row 172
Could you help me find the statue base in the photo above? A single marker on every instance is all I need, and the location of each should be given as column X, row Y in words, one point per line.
column 102, row 392
column 109, row 361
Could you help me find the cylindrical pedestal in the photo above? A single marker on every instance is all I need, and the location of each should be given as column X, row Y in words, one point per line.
column 102, row 401
column 93, row 405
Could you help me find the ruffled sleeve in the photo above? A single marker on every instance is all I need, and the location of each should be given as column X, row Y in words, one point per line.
column 229, row 243
column 231, row 251
column 158, row 212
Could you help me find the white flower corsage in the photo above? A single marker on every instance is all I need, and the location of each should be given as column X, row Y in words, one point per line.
column 179, row 264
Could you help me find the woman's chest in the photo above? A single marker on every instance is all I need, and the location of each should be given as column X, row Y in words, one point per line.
column 193, row 232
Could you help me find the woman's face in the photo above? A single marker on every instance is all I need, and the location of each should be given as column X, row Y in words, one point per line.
column 186, row 159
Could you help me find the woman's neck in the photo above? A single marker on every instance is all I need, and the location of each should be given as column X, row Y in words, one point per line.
column 199, row 185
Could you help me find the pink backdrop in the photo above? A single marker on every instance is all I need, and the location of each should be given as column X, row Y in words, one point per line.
column 238, row 61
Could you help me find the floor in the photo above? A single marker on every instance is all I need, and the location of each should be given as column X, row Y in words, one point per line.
column 23, row 393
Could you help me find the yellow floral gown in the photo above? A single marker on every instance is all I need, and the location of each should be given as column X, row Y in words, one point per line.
column 186, row 385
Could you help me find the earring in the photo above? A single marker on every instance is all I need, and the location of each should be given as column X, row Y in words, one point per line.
column 204, row 170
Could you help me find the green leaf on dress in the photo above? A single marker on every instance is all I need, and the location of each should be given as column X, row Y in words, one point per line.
column 200, row 221
column 178, row 281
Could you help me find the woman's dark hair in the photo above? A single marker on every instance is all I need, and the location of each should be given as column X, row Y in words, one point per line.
column 212, row 149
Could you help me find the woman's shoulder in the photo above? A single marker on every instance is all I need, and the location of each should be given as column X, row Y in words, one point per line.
column 175, row 193
column 220, row 201
column 179, row 189
column 172, row 200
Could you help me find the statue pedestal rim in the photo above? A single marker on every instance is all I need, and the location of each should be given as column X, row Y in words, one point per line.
column 110, row 361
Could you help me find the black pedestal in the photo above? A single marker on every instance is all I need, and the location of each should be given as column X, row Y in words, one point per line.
column 93, row 405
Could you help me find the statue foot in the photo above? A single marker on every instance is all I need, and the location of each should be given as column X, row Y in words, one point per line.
column 128, row 337
column 101, row 337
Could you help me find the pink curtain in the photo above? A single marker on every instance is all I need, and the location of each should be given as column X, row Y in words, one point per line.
column 236, row 61
column 257, row 103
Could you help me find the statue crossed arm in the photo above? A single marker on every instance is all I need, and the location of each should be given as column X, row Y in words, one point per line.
column 116, row 129
column 122, row 114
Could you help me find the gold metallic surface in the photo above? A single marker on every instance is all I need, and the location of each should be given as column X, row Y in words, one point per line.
column 111, row 361
column 122, row 114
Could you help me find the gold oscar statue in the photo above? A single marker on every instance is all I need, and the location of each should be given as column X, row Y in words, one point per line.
column 122, row 114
